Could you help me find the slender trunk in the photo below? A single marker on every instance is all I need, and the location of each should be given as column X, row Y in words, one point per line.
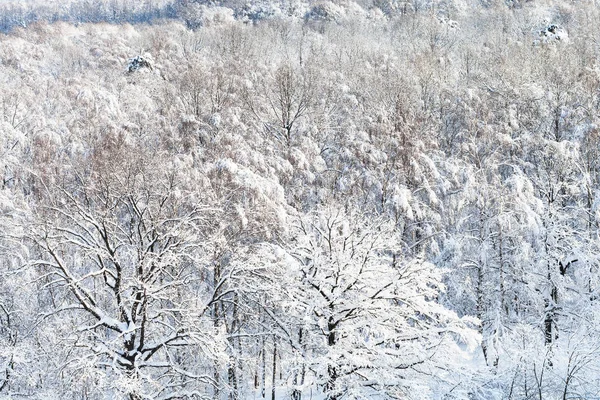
column 539, row 383
column 299, row 377
column 550, row 305
column 549, row 302
column 216, row 322
column 217, row 381
column 263, row 363
column 590, row 214
column 557, row 133
column 525, row 386
column 548, row 321
column 480, row 306
column 503, row 305
column 232, row 373
column 231, row 377
column 479, row 310
column 256, row 379
column 274, row 369
column 331, row 369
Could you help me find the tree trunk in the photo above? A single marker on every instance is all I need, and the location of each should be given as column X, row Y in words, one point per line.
column 331, row 369
column 216, row 318
column 299, row 377
column 232, row 372
column 263, row 363
column 274, row 369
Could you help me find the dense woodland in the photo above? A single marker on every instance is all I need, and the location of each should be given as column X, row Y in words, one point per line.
column 290, row 200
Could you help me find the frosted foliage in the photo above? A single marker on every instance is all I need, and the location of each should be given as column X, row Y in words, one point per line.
column 376, row 320
column 299, row 200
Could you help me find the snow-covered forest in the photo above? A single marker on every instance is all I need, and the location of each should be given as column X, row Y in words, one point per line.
column 299, row 200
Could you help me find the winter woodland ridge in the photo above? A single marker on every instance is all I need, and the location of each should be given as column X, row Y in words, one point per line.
column 299, row 200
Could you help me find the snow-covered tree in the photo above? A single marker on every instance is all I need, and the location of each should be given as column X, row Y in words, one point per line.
column 369, row 317
column 125, row 251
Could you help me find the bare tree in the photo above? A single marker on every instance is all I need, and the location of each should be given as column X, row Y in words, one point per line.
column 129, row 248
